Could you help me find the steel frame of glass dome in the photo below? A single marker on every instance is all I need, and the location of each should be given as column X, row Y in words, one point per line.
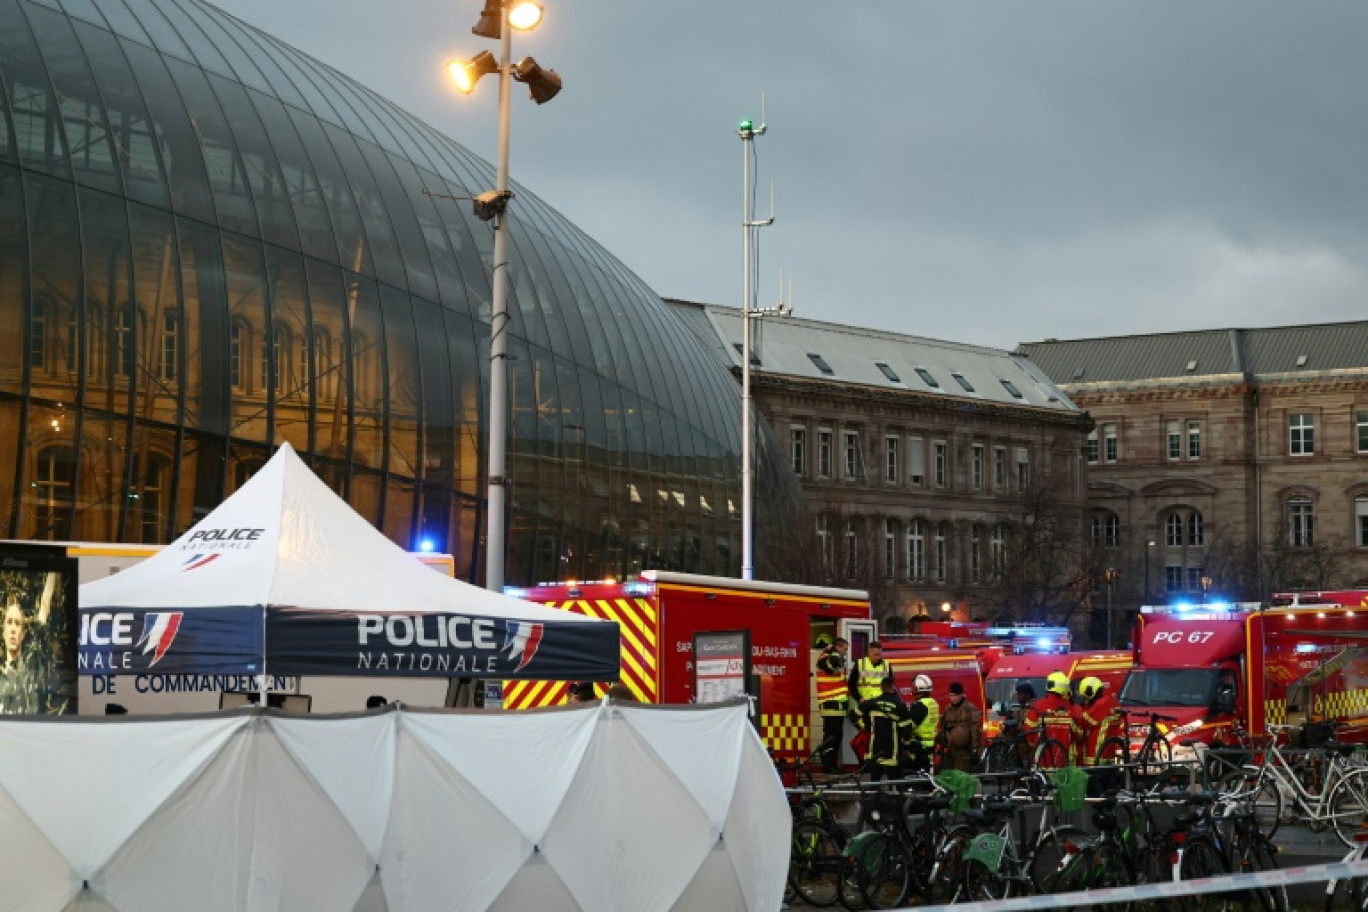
column 210, row 243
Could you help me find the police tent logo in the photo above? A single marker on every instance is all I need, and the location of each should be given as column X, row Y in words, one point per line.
column 521, row 642
column 159, row 632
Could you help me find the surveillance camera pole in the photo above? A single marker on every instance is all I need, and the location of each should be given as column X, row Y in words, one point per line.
column 748, row 132
column 496, row 523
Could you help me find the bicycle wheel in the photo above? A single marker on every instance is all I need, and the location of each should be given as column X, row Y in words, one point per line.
column 1349, row 806
column 885, row 873
column 1113, row 752
column 1348, row 895
column 1259, row 857
column 1051, row 754
column 1100, row 866
column 1261, row 792
column 945, row 882
column 1052, row 851
column 982, row 884
column 815, row 865
column 999, row 758
column 1199, row 858
column 1154, row 755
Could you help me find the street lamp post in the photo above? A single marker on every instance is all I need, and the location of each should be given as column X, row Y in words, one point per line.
column 747, row 131
column 497, row 20
column 1206, row 586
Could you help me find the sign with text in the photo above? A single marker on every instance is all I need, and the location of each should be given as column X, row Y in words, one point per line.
column 722, row 665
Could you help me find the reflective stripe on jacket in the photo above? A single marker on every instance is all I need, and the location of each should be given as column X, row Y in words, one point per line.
column 926, row 732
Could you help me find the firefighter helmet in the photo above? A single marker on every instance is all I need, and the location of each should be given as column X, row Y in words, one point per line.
column 823, row 641
column 1057, row 683
column 922, row 683
column 1090, row 688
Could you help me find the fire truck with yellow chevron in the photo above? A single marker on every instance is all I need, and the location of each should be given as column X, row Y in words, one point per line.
column 1200, row 668
column 660, row 612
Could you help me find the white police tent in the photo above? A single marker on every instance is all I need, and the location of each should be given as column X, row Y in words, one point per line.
column 285, row 578
column 603, row 806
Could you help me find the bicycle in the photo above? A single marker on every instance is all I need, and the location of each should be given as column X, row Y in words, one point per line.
column 1350, row 895
column 1340, row 798
column 1152, row 757
column 1007, row 750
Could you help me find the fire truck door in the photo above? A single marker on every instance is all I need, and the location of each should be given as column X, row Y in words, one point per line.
column 859, row 634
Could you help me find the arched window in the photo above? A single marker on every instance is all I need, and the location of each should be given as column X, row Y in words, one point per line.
column 150, row 499
column 1106, row 530
column 916, row 550
column 1184, row 550
column 275, row 356
column 1301, row 522
column 823, row 523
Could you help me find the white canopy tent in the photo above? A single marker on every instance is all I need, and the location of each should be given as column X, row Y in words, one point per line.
column 283, row 571
column 605, row 806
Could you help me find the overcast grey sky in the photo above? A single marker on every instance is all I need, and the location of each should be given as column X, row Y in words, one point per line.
column 985, row 172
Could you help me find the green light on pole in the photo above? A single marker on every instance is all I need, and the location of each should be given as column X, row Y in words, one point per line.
column 747, row 126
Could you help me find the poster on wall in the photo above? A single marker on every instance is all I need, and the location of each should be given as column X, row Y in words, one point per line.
column 722, row 661
column 38, row 586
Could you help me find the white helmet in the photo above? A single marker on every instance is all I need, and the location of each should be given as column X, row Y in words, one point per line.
column 922, row 683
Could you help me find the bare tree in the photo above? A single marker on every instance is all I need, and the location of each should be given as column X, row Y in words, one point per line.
column 837, row 547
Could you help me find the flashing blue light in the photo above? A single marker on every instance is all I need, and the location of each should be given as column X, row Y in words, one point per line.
column 426, row 545
column 1043, row 642
column 515, row 592
column 1183, row 606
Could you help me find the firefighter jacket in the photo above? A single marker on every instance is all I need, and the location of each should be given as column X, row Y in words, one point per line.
column 833, row 692
column 865, row 679
column 926, row 731
column 884, row 717
column 1054, row 715
column 1095, row 723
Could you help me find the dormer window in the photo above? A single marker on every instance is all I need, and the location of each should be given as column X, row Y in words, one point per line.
column 821, row 363
column 926, row 377
column 1010, row 387
column 964, row 384
column 887, row 371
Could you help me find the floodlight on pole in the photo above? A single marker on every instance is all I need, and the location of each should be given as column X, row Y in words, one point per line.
column 492, row 206
column 747, row 130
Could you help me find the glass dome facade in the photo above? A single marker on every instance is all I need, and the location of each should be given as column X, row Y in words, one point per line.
column 211, row 243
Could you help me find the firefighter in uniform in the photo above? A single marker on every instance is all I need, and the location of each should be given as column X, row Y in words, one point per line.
column 1052, row 717
column 929, row 725
column 833, row 698
column 868, row 673
column 1098, row 719
column 885, row 717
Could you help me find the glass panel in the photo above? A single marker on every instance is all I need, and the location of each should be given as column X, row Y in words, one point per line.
column 203, row 464
column 49, row 488
column 389, row 266
column 281, row 85
column 402, row 373
column 260, row 351
column 296, row 179
column 412, row 247
column 14, row 283
column 335, row 189
column 263, row 171
column 178, row 144
column 149, row 513
column 205, row 316
column 468, row 396
column 368, row 377
column 121, row 21
column 134, row 139
column 164, row 354
column 244, row 461
column 439, row 426
column 290, row 313
column 33, row 106
column 80, row 110
column 329, row 305
column 228, row 174
column 163, row 36
column 203, row 50
column 365, row 494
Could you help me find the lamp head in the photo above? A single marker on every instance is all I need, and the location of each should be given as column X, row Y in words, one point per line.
column 543, row 85
column 465, row 73
column 491, row 20
column 522, row 15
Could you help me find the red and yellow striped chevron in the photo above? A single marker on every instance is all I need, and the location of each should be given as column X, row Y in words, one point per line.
column 640, row 671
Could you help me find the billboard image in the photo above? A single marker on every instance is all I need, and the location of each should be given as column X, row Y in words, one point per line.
column 38, row 675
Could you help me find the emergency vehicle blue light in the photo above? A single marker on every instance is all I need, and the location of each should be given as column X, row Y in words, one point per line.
column 426, row 545
column 1043, row 642
column 1183, row 606
column 514, row 592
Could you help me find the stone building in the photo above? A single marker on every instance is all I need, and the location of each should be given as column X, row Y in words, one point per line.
column 913, row 453
column 1238, row 457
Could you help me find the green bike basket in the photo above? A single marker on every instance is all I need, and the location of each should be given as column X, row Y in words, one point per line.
column 961, row 786
column 1071, row 787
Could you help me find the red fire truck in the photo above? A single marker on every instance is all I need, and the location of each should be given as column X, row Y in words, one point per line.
column 1347, row 598
column 1000, row 685
column 660, row 612
column 1291, row 665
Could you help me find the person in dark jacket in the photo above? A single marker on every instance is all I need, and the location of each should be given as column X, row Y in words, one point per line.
column 887, row 720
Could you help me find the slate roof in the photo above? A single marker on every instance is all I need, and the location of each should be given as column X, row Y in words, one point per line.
column 786, row 346
column 1312, row 349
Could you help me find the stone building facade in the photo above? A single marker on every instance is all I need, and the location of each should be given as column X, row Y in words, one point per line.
column 1225, row 464
column 912, row 453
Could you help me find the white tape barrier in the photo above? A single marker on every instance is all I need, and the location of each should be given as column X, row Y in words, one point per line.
column 1339, row 870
